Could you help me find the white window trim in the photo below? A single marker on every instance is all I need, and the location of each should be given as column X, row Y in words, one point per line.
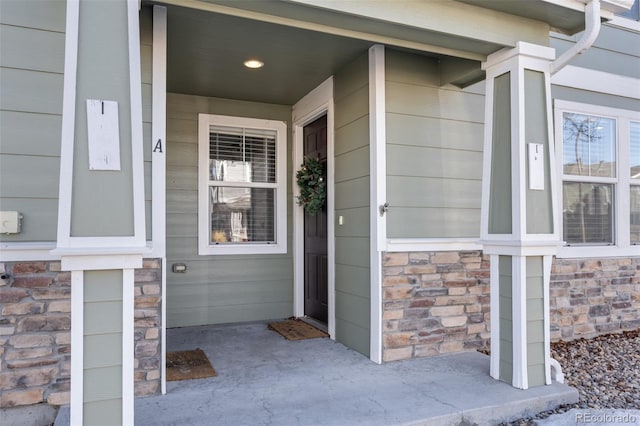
column 204, row 246
column 622, row 182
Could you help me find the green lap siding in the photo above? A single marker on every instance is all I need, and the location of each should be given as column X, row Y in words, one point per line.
column 102, row 349
column 352, row 203
column 616, row 51
column 217, row 289
column 535, row 321
column 102, row 74
column 434, row 151
column 31, row 83
column 539, row 209
column 500, row 201
column 506, row 318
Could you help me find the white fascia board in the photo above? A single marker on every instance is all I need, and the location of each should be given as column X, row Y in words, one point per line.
column 597, row 81
column 579, row 5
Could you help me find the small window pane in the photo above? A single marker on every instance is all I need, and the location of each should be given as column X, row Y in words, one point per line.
column 634, row 142
column 242, row 155
column 242, row 214
column 588, row 213
column 635, row 214
column 589, row 145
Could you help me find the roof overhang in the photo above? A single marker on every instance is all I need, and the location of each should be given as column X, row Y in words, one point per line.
column 457, row 33
column 563, row 16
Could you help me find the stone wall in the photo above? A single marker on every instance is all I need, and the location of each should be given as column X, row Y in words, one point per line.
column 35, row 332
column 590, row 296
column 434, row 303
column 438, row 302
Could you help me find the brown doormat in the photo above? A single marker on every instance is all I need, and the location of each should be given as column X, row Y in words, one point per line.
column 186, row 365
column 294, row 329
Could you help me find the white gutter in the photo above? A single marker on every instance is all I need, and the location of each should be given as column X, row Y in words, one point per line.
column 592, row 29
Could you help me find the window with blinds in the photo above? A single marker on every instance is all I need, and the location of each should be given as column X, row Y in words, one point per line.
column 589, row 168
column 599, row 149
column 244, row 184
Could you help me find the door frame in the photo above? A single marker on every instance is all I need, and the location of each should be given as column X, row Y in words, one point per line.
column 317, row 103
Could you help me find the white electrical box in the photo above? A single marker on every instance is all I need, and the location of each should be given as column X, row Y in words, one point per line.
column 536, row 166
column 104, row 135
column 10, row 222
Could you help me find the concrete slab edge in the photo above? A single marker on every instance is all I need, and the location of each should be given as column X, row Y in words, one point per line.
column 520, row 409
column 492, row 415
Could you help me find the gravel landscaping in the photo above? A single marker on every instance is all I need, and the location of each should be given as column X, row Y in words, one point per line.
column 605, row 370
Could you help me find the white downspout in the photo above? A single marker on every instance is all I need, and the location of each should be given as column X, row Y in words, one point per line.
column 591, row 31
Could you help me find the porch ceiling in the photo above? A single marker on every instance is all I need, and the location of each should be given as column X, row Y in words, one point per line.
column 206, row 51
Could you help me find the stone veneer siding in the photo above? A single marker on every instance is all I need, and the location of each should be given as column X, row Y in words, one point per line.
column 434, row 303
column 35, row 332
column 594, row 296
column 438, row 302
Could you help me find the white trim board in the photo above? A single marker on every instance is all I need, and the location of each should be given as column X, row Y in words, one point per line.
column 314, row 105
column 128, row 344
column 597, row 81
column 16, row 252
column 159, row 132
column 159, row 169
column 377, row 195
column 432, row 244
column 137, row 150
column 622, row 245
column 68, row 122
column 77, row 346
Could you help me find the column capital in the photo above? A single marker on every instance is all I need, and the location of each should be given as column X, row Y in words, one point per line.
column 521, row 50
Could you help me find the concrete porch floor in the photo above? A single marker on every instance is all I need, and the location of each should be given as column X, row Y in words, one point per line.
column 264, row 379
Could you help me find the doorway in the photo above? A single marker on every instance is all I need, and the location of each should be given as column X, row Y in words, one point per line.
column 316, row 291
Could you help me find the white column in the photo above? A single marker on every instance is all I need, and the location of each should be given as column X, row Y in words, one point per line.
column 101, row 218
column 518, row 210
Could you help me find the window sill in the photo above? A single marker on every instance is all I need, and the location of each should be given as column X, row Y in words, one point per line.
column 208, row 250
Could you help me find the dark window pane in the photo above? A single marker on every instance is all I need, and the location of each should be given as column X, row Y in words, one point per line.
column 588, row 213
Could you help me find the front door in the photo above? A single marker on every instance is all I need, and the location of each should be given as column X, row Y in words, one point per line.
column 315, row 232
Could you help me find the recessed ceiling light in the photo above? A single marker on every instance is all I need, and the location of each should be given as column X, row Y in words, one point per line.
column 253, row 63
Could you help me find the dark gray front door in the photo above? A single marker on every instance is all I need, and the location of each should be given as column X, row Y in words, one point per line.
column 315, row 232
